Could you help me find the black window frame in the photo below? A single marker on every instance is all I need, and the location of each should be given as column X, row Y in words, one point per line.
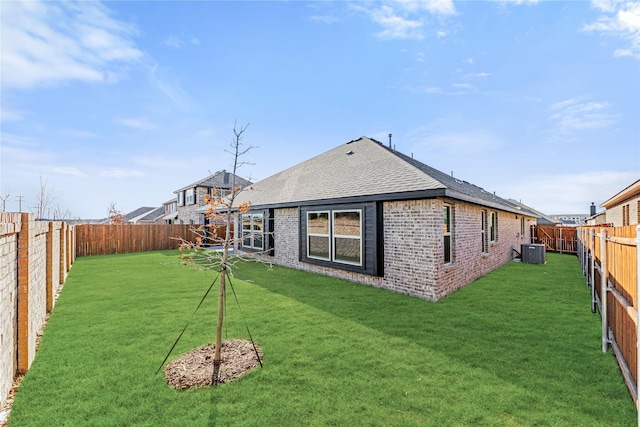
column 448, row 233
column 371, row 241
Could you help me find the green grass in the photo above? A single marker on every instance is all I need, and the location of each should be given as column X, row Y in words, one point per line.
column 518, row 347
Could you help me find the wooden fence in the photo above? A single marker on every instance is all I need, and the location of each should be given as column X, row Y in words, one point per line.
column 610, row 258
column 100, row 239
column 556, row 238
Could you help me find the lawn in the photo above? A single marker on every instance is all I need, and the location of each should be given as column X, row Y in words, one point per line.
column 518, row 347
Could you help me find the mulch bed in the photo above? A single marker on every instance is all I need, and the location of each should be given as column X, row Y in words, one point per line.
column 195, row 368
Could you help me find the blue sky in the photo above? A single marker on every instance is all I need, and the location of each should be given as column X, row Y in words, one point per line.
column 126, row 102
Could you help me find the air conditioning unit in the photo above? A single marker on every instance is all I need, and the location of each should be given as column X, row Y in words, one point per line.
column 533, row 253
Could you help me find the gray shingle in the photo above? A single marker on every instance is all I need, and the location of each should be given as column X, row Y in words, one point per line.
column 362, row 168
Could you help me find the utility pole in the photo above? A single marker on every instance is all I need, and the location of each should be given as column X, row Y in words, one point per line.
column 19, row 200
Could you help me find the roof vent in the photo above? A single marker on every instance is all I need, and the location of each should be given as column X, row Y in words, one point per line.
column 349, row 152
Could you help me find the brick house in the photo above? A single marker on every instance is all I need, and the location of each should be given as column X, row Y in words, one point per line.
column 170, row 211
column 367, row 213
column 624, row 208
column 191, row 197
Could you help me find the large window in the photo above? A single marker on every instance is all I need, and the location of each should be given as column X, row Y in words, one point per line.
column 447, row 213
column 493, row 228
column 253, row 231
column 190, row 196
column 344, row 236
column 335, row 236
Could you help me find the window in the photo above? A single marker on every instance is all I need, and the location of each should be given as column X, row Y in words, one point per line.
column 493, row 228
column 190, row 196
column 181, row 198
column 485, row 232
column 335, row 236
column 522, row 229
column 625, row 215
column 448, row 233
column 253, row 231
column 318, row 243
column 348, row 237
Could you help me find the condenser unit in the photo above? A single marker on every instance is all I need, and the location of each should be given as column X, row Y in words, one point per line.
column 532, row 253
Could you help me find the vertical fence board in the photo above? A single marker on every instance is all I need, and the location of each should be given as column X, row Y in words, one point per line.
column 102, row 239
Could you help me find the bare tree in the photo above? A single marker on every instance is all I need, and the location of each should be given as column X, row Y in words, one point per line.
column 115, row 215
column 44, row 199
column 59, row 214
column 3, row 200
column 220, row 213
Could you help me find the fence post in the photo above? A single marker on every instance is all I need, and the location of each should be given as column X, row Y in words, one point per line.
column 24, row 239
column 561, row 242
column 638, row 317
column 604, row 278
column 592, row 269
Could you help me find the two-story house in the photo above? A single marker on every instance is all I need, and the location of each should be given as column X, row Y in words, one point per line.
column 191, row 197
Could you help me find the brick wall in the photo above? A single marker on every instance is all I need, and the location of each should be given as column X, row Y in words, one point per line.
column 613, row 214
column 35, row 257
column 414, row 247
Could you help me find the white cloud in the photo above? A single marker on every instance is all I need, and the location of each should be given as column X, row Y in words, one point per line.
column 404, row 19
column 10, row 115
column 68, row 170
column 174, row 42
column 119, row 173
column 170, row 87
column 48, row 43
column 324, row 19
column 140, row 124
column 620, row 19
column 462, row 85
column 518, row 2
column 396, row 27
column 436, row 7
column 577, row 115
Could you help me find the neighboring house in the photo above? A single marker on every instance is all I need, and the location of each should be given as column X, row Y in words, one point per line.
column 170, row 211
column 191, row 197
column 145, row 215
column 541, row 218
column 370, row 214
column 624, row 208
column 571, row 220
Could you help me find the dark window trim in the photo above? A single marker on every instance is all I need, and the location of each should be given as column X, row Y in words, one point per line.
column 372, row 237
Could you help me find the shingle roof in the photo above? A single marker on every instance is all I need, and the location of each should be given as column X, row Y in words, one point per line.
column 134, row 214
column 220, row 179
column 363, row 169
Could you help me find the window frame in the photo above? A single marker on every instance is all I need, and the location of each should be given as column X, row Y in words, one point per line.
column 190, row 196
column 181, row 198
column 326, row 235
column 335, row 236
column 252, row 232
column 370, row 237
column 485, row 231
column 493, row 227
column 448, row 233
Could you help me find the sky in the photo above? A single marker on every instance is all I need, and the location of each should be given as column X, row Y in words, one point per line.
column 124, row 102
